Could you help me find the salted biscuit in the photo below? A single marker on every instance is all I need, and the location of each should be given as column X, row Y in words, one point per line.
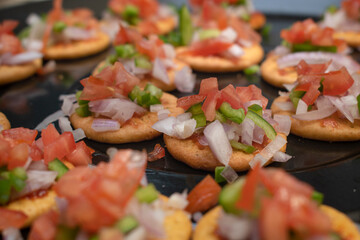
column 341, row 224
column 185, row 150
column 351, row 38
column 14, row 73
column 270, row 72
column 323, row 129
column 78, row 49
column 149, row 79
column 137, row 129
column 4, row 122
column 253, row 55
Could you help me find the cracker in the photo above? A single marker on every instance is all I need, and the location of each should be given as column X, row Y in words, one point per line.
column 78, row 49
column 9, row 74
column 177, row 226
column 317, row 130
column 253, row 55
column 270, row 72
column 137, row 129
column 207, row 226
column 4, row 122
column 185, row 150
column 351, row 38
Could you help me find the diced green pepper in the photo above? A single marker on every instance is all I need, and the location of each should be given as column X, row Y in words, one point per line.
column 243, row 147
column 218, row 177
column 19, row 172
column 135, row 92
column 220, row 117
column 258, row 120
column 83, row 111
column 126, row 224
column 59, row 26
column 208, row 33
column 59, row 167
column 17, row 178
column 94, row 237
column 125, row 50
column 65, row 233
column 358, row 102
column 5, row 190
column 335, row 236
column 147, row 194
column 110, row 60
column 318, row 197
column 295, row 96
column 332, row 9
column 245, row 17
column 150, row 96
column 235, row 115
column 24, row 33
column 173, row 38
column 265, row 31
column 200, row 120
column 256, row 109
column 143, row 62
column 252, row 70
column 80, row 102
column 241, row 2
column 185, row 25
column 153, row 90
column 307, row 47
column 195, row 109
column 131, row 14
column 230, row 195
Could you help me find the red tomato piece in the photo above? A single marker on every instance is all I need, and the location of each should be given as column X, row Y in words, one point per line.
column 49, row 135
column 157, row 153
column 337, row 82
column 212, row 12
column 188, row 101
column 4, row 151
column 18, row 156
column 203, row 196
column 21, row 135
column 61, row 147
column 229, row 95
column 208, row 47
column 127, row 35
column 304, row 68
column 10, row 44
column 95, row 90
column 209, row 105
column 81, row 156
column 11, row 218
column 8, row 26
column 35, row 152
column 312, row 94
column 208, row 85
column 273, row 220
column 251, row 93
column 44, row 227
column 352, row 8
column 151, row 47
column 243, row 30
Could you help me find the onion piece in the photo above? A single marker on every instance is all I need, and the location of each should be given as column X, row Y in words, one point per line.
column 316, row 114
column 229, row 174
column 36, row 180
column 247, row 131
column 281, row 93
column 76, row 33
column 38, row 165
column 197, row 216
column 290, row 87
column 159, row 71
column 301, row 107
column 68, row 106
column 111, row 152
column 259, row 134
column 65, row 125
column 228, row 35
column 49, row 119
column 162, row 114
column 230, row 131
column 165, row 126
column 178, row 200
column 218, row 142
column 169, row 51
column 156, row 107
column 284, row 123
column 281, row 157
column 105, row 125
column 252, row 102
column 281, row 50
column 12, row 234
column 285, row 106
column 268, row 152
column 185, row 80
column 341, row 107
column 184, row 129
column 78, row 134
column 235, row 51
column 21, row 58
column 233, row 227
column 202, row 140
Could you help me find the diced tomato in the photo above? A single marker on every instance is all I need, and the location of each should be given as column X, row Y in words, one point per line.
column 44, row 227
column 20, row 135
column 229, row 95
column 213, row 13
column 49, row 135
column 8, row 26
column 203, row 196
column 247, row 200
column 151, row 47
column 303, row 68
column 352, row 8
column 157, row 153
column 188, row 101
column 95, row 90
column 4, row 151
column 127, row 35
column 251, row 93
column 10, row 44
column 36, row 153
column 337, row 82
column 81, row 156
column 208, row 85
column 61, row 147
column 312, row 94
column 273, row 220
column 243, row 30
column 148, row 27
column 209, row 105
column 11, row 218
column 18, row 156
column 207, row 47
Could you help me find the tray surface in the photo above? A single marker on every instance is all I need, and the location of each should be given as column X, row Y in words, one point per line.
column 332, row 168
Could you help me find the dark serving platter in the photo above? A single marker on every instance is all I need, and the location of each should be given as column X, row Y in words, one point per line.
column 331, row 168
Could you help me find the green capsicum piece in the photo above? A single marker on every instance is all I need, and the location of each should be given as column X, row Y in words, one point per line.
column 258, row 120
column 235, row 115
column 243, row 147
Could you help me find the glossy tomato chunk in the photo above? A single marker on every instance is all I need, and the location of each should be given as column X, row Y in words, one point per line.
column 61, row 147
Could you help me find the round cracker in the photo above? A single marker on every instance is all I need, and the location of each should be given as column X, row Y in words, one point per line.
column 316, row 129
column 149, row 79
column 253, row 55
column 341, row 224
column 185, row 150
column 351, row 38
column 78, row 49
column 270, row 72
column 9, row 74
column 137, row 129
column 4, row 122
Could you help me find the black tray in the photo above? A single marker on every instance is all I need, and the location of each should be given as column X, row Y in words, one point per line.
column 332, row 168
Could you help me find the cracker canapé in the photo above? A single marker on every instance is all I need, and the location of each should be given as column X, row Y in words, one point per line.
column 137, row 129
column 78, row 49
column 4, row 122
column 351, row 38
column 187, row 151
column 253, row 55
column 330, row 129
column 14, row 73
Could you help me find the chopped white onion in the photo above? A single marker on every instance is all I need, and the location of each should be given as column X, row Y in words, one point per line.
column 78, row 134
column 183, row 117
column 218, row 142
column 341, row 107
column 228, row 34
column 184, row 79
column 76, row 33
column 233, row 227
column 281, row 157
column 351, row 104
column 12, row 234
column 301, row 107
column 230, row 131
column 184, row 129
column 21, row 58
column 65, row 125
column 247, row 131
column 316, row 114
column 281, row 50
column 71, row 97
column 323, row 102
column 290, row 87
column 33, row 18
column 49, row 67
column 245, row 43
column 68, row 106
column 284, row 123
column 159, row 71
column 111, row 152
column 105, row 125
column 229, row 174
column 202, row 140
column 162, row 114
column 169, row 51
column 49, row 119
column 252, row 102
column 355, row 88
column 281, row 93
column 285, row 106
column 136, row 234
column 259, row 134
column 165, row 126
column 144, row 181
column 197, row 216
column 178, row 200
column 36, row 180
column 235, row 51
column 156, row 107
column 37, row 165
column 268, row 152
